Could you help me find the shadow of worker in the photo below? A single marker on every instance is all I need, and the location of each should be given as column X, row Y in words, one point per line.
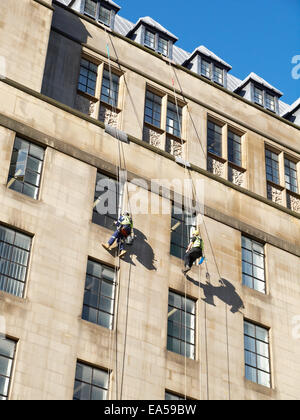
column 142, row 250
column 225, row 292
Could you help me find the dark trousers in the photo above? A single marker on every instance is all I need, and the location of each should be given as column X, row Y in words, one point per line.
column 191, row 256
column 120, row 235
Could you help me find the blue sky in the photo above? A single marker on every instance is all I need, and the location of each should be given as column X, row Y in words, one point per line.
column 252, row 35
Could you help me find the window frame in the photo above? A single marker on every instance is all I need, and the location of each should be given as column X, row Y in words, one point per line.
column 256, row 354
column 91, row 384
column 4, row 397
column 176, row 218
column 182, row 325
column 90, row 71
column 270, row 165
column 215, row 152
column 153, row 109
column 294, row 170
column 258, row 254
column 112, row 101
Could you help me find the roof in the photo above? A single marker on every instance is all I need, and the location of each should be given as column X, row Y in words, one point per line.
column 112, row 3
column 205, row 51
column 293, row 107
column 260, row 80
column 151, row 22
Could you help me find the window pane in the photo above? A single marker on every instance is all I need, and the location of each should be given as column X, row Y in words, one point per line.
column 250, row 373
column 100, row 378
column 263, row 378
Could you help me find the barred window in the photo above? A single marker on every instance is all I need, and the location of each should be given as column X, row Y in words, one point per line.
column 253, row 264
column 105, row 15
column 258, row 96
column 110, row 88
column 7, row 354
column 290, row 169
column 181, row 325
column 99, row 295
column 87, row 77
column 257, row 355
column 218, row 75
column 90, row 383
column 90, row 7
column 107, row 201
column 183, row 224
column 234, row 148
column 163, row 46
column 14, row 257
column 272, row 166
column 150, row 39
column 214, row 138
column 26, row 168
column 205, row 68
column 174, row 119
column 270, row 102
column 153, row 109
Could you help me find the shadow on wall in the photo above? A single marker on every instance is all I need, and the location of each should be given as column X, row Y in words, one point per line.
column 225, row 292
column 142, row 250
column 62, row 65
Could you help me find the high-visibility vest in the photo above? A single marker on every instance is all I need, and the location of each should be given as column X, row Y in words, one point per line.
column 198, row 243
column 126, row 221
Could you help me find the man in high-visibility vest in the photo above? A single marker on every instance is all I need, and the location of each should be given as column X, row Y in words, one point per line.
column 124, row 229
column 193, row 252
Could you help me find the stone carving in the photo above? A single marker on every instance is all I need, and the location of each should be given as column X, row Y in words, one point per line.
column 152, row 137
column 84, row 105
column 236, row 176
column 215, row 166
column 293, row 203
column 108, row 116
column 174, row 147
column 274, row 194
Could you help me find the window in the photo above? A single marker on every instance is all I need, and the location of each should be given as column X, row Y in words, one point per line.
column 90, row 383
column 234, row 148
column 7, row 354
column 110, row 88
column 26, row 168
column 290, row 170
column 171, row 396
column 87, row 77
column 205, row 68
column 272, row 166
column 258, row 96
column 214, row 138
column 218, row 75
column 183, row 225
column 90, row 7
column 99, row 295
column 174, row 119
column 270, row 102
column 257, row 358
column 107, row 201
column 153, row 109
column 163, row 46
column 150, row 39
column 253, row 265
column 105, row 15
column 181, row 325
column 14, row 257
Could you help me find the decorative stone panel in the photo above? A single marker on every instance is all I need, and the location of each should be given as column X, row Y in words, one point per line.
column 174, row 147
column 108, row 116
column 84, row 105
column 293, row 203
column 274, row 194
column 152, row 136
column 215, row 166
column 236, row 176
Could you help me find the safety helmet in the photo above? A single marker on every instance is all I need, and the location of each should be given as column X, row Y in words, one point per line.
column 126, row 213
column 196, row 232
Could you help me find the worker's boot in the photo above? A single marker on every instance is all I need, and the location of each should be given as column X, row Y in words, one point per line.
column 186, row 270
column 122, row 253
column 106, row 246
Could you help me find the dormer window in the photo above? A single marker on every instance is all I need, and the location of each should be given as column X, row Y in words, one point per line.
column 151, row 34
column 258, row 96
column 270, row 102
column 103, row 11
column 207, row 64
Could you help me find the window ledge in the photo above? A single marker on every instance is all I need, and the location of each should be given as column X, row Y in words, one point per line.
column 237, row 167
column 111, row 107
column 87, row 95
column 293, row 193
column 214, row 156
column 273, row 184
column 174, row 137
column 154, row 127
